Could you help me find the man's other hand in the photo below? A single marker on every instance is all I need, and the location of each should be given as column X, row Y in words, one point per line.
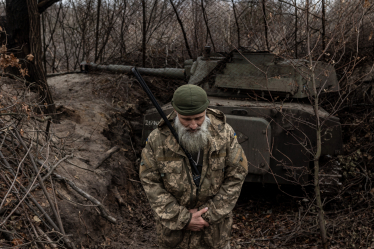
column 197, row 223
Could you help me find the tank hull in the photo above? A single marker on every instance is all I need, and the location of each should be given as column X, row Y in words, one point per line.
column 277, row 138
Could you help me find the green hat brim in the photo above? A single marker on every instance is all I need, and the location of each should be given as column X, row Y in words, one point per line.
column 189, row 112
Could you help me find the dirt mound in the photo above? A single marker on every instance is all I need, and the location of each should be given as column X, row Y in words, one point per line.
column 91, row 148
column 97, row 113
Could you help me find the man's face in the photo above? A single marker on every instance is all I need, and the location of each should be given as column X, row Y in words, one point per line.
column 192, row 123
column 193, row 131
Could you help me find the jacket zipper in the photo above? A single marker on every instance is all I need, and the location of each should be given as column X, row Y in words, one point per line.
column 189, row 180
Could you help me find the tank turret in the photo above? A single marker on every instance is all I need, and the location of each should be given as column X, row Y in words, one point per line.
column 240, row 73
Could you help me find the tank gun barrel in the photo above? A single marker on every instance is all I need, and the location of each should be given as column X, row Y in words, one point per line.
column 175, row 73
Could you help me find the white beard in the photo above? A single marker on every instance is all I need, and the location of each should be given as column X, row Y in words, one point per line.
column 193, row 141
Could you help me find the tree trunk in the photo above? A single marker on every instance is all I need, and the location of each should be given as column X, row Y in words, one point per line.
column 182, row 28
column 144, row 31
column 236, row 22
column 207, row 26
column 295, row 29
column 23, row 28
column 323, row 29
column 265, row 25
column 97, row 28
column 44, row 45
column 17, row 28
column 315, row 103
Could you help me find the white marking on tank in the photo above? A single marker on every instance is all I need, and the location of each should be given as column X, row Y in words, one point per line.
column 151, row 123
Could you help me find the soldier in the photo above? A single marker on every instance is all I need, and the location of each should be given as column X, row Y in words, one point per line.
column 187, row 216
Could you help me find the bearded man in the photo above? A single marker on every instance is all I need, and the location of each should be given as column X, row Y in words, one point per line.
column 187, row 216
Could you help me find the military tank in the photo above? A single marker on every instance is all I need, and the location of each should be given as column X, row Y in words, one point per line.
column 265, row 100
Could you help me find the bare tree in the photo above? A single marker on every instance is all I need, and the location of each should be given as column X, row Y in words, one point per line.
column 144, row 32
column 97, row 28
column 182, row 28
column 23, row 26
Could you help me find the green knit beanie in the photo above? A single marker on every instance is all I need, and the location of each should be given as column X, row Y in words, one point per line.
column 190, row 100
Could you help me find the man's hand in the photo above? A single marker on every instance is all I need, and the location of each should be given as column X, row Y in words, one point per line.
column 197, row 223
column 192, row 211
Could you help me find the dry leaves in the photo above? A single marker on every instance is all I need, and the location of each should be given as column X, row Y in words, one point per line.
column 366, row 4
column 8, row 60
column 24, row 72
column 30, row 57
column 17, row 242
column 36, row 219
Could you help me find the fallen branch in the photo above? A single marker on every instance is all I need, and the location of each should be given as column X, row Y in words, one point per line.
column 32, row 226
column 79, row 166
column 5, row 231
column 43, row 119
column 58, row 74
column 66, row 240
column 50, row 170
column 119, row 198
column 37, row 172
column 45, row 236
column 107, row 154
column 104, row 212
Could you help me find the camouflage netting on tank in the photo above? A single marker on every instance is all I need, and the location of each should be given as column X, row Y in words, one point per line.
column 221, row 65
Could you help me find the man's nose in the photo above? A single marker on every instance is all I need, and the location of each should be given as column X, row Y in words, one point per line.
column 193, row 125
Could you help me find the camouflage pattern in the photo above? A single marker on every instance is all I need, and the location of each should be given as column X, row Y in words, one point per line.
column 167, row 180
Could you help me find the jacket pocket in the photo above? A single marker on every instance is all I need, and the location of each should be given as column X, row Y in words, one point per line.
column 217, row 173
column 217, row 235
column 168, row 238
column 172, row 175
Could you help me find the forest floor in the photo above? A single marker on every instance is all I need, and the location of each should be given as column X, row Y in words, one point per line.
column 99, row 112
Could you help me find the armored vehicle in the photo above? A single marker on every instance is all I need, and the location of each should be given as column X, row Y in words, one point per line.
column 266, row 101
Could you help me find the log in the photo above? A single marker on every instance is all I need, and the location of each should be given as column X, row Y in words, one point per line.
column 104, row 212
column 107, row 154
column 119, row 198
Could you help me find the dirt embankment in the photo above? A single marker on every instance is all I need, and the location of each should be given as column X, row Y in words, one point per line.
column 100, row 113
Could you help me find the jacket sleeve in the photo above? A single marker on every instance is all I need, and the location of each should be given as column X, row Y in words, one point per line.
column 165, row 206
column 235, row 172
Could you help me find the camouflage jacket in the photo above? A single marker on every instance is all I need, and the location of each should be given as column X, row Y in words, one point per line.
column 167, row 180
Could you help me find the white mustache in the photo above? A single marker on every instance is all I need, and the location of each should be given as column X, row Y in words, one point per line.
column 197, row 129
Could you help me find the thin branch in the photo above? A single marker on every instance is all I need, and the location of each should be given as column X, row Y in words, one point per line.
column 51, row 170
